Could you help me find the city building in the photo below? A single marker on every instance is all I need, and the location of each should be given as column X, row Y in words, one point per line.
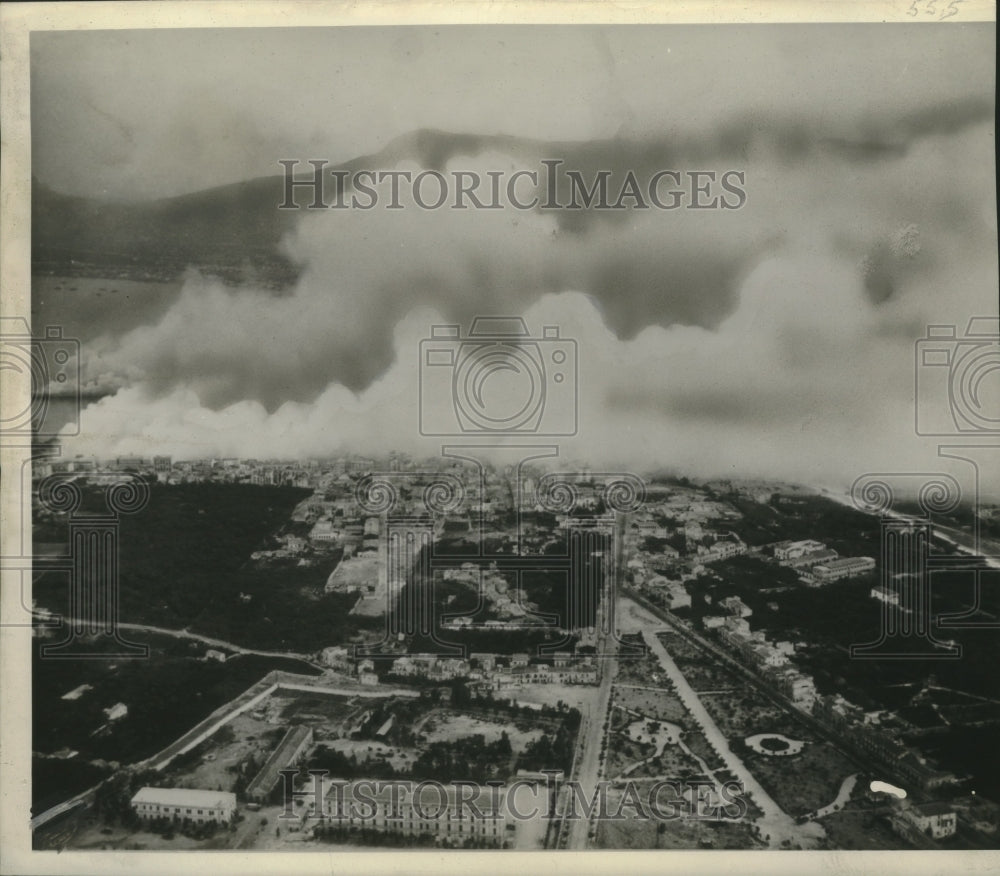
column 179, row 804
column 440, row 813
column 124, row 463
column 845, row 568
column 116, row 712
column 795, row 685
column 674, row 593
column 738, row 625
column 486, row 661
column 791, row 550
column 735, row 606
column 336, row 657
column 936, row 819
column 722, row 550
column 808, row 560
column 922, row 771
column 293, row 744
column 889, row 596
column 324, row 530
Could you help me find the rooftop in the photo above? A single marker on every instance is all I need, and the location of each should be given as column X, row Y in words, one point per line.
column 935, row 807
column 185, row 797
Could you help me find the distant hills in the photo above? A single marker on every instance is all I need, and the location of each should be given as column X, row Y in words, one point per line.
column 234, row 230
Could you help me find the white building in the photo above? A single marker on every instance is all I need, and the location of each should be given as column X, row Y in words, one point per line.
column 677, row 596
column 116, row 712
column 938, row 819
column 735, row 606
column 845, row 568
column 374, row 806
column 324, row 530
column 336, row 656
column 179, row 804
column 790, row 550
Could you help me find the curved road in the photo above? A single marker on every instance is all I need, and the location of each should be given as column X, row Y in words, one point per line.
column 186, row 634
column 843, row 795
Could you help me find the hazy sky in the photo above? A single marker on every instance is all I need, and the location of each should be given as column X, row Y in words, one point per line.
column 775, row 339
column 131, row 114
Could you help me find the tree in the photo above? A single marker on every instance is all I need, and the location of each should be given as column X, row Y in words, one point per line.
column 504, row 746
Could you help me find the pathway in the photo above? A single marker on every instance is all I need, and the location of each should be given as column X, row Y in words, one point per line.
column 843, row 795
column 187, row 634
column 774, row 822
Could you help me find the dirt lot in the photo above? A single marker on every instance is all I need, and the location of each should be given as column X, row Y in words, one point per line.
column 306, row 708
column 577, row 696
column 447, row 726
column 400, row 757
column 219, row 757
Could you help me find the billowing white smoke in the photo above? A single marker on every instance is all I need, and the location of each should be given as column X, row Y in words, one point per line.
column 789, row 362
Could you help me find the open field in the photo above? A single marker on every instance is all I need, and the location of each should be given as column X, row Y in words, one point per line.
column 803, row 782
column 309, row 708
column 624, row 753
column 747, row 712
column 659, row 703
column 165, row 695
column 681, row 833
column 704, row 675
column 401, row 758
